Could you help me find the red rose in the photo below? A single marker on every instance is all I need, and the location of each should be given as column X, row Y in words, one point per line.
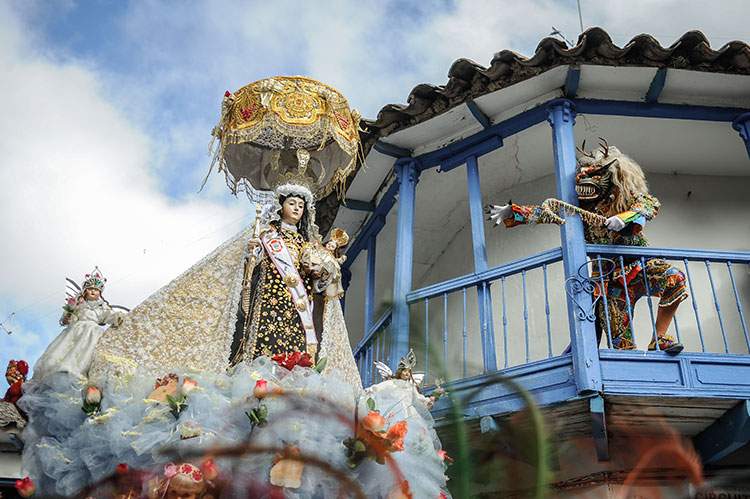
column 122, row 469
column 261, row 389
column 25, row 487
column 290, row 360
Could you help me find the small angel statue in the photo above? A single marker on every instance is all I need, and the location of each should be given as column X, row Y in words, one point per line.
column 84, row 313
column 404, row 371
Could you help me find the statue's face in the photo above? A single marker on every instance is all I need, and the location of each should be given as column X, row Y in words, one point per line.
column 91, row 294
column 331, row 245
column 292, row 210
column 594, row 181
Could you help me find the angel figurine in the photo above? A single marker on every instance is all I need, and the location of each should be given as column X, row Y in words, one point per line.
column 404, row 371
column 84, row 314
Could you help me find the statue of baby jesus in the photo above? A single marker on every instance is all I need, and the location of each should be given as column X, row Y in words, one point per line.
column 324, row 263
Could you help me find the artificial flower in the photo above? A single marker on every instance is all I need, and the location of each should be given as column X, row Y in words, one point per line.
column 289, row 360
column 444, row 456
column 373, row 422
column 188, row 385
column 170, row 470
column 92, row 400
column 209, row 469
column 261, row 389
column 93, row 395
column 395, row 436
column 25, row 487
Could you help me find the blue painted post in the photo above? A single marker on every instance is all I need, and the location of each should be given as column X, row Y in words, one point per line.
column 346, row 279
column 742, row 125
column 587, row 370
column 480, row 264
column 408, row 175
column 369, row 311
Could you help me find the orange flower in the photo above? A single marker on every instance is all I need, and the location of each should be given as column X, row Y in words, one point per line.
column 395, row 436
column 188, row 385
column 373, row 422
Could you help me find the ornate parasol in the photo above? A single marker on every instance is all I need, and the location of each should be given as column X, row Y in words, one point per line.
column 286, row 129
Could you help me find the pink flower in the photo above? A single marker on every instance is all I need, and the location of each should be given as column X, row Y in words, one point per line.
column 93, row 395
column 261, row 389
column 444, row 456
column 188, row 385
column 209, row 469
column 25, row 487
column 170, row 470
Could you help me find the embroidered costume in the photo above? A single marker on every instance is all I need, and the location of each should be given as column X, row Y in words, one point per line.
column 275, row 326
column 616, row 205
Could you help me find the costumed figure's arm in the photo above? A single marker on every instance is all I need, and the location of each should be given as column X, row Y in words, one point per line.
column 513, row 214
column 644, row 208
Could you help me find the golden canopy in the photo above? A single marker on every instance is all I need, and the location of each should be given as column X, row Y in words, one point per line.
column 286, row 129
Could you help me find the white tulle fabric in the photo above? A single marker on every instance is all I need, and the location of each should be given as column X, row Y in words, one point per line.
column 73, row 349
column 65, row 450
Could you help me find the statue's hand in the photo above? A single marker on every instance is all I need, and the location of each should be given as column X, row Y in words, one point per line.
column 615, row 224
column 253, row 245
column 498, row 213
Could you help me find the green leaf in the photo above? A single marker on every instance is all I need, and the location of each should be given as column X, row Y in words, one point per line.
column 359, row 446
column 322, row 363
column 371, row 404
column 263, row 411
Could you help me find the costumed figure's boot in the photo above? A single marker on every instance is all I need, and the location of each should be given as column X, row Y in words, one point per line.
column 667, row 344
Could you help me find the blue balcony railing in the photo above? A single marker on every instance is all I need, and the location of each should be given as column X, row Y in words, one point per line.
column 711, row 279
column 515, row 314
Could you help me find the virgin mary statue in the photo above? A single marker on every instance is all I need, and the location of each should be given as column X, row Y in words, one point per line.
column 219, row 356
column 252, row 296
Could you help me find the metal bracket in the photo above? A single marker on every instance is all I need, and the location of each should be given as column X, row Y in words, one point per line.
column 581, row 283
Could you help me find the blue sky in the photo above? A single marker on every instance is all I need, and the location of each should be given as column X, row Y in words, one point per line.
column 108, row 105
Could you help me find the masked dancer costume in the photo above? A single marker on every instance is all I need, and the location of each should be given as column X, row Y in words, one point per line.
column 613, row 193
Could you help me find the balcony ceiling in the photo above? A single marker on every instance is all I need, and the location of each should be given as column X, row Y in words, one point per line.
column 696, row 74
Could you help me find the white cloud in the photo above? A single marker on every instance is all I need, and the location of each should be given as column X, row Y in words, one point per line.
column 79, row 190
